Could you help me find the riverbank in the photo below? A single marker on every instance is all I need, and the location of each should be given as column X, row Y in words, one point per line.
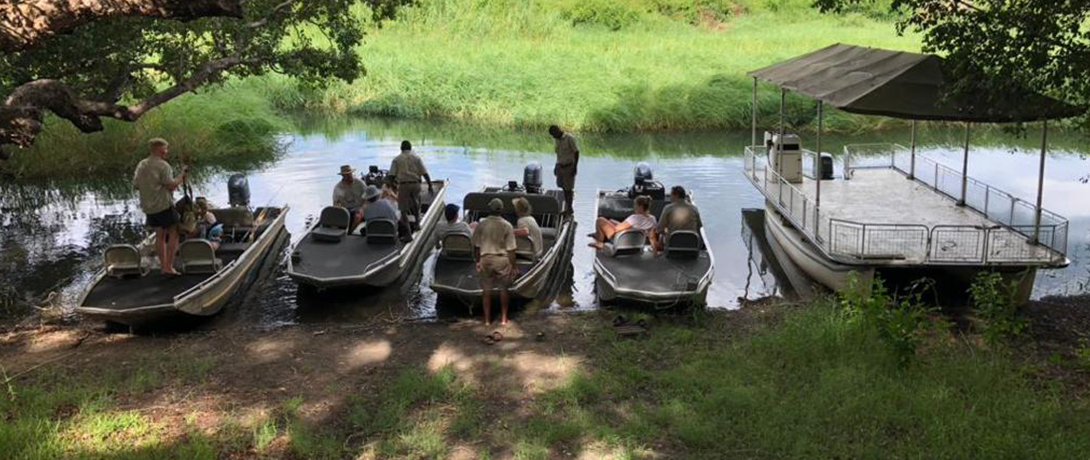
column 595, row 66
column 767, row 381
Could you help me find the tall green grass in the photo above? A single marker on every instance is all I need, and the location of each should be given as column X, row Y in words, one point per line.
column 231, row 127
column 664, row 65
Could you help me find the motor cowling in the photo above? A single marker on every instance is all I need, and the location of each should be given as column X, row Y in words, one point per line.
column 644, row 183
column 643, row 173
column 238, row 190
column 531, row 178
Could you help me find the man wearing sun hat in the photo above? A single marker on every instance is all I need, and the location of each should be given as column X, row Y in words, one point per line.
column 348, row 193
column 494, row 251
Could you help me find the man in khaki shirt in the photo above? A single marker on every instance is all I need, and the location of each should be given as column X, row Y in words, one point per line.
column 567, row 164
column 406, row 170
column 494, row 251
column 155, row 180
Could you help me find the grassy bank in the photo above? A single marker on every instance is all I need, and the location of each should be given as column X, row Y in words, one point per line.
column 232, row 127
column 624, row 66
column 766, row 382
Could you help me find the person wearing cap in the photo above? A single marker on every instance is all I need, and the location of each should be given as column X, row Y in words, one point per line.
column 494, row 251
column 526, row 224
column 451, row 224
column 348, row 193
column 407, row 169
column 567, row 164
column 156, row 182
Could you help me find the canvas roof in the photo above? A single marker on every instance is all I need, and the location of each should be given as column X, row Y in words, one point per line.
column 901, row 84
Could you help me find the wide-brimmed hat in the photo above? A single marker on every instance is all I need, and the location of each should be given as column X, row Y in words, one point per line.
column 496, row 205
column 522, row 205
column 371, row 192
column 347, row 169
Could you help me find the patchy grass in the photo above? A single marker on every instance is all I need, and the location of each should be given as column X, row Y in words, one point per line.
column 795, row 383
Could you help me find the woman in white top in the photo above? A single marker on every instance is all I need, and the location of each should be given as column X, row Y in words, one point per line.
column 641, row 220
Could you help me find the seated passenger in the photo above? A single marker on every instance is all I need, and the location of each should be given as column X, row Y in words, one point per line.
column 678, row 215
column 348, row 194
column 450, row 223
column 527, row 225
column 640, row 220
column 207, row 226
column 377, row 208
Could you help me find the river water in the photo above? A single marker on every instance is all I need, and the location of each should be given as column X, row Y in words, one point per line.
column 52, row 236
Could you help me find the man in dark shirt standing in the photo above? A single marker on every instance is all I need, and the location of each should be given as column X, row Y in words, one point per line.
column 567, row 164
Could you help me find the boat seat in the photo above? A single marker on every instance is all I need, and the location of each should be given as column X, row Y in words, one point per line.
column 683, row 244
column 524, row 249
column 232, row 247
column 197, row 256
column 381, row 231
column 122, row 260
column 332, row 225
column 628, row 242
column 548, row 233
column 234, row 217
column 457, row 246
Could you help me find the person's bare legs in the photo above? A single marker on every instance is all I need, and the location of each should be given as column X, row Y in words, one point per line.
column 505, row 300
column 161, row 249
column 171, row 248
column 486, row 299
column 604, row 229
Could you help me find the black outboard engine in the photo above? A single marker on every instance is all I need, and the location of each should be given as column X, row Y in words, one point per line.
column 238, row 190
column 375, row 176
column 644, row 183
column 531, row 177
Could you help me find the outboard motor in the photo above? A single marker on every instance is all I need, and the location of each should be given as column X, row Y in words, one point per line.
column 375, row 176
column 531, row 177
column 238, row 190
column 644, row 183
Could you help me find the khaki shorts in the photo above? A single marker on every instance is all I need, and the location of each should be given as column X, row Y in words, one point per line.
column 495, row 272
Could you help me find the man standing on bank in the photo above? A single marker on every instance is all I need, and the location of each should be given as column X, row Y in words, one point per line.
column 494, row 251
column 567, row 164
column 155, row 180
column 407, row 169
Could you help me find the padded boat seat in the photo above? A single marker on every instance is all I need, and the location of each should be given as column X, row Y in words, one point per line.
column 234, row 217
column 628, row 242
column 457, row 246
column 123, row 260
column 333, row 224
column 683, row 244
column 198, row 257
column 548, row 233
column 381, row 231
column 524, row 249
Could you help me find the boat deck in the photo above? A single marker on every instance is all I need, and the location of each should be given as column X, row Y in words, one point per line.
column 347, row 258
column 880, row 216
column 649, row 276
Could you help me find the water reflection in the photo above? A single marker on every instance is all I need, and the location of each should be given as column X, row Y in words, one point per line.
column 51, row 236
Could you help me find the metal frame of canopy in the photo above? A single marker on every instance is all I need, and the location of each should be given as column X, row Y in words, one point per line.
column 1049, row 109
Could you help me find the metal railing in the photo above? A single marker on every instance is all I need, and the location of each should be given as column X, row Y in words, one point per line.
column 940, row 244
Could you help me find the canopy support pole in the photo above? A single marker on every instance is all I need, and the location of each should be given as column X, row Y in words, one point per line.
column 817, row 168
column 783, row 102
column 964, row 167
column 912, row 154
column 753, row 136
column 1040, row 185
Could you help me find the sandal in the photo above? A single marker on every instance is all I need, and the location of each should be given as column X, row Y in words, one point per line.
column 620, row 320
column 488, row 340
column 496, row 336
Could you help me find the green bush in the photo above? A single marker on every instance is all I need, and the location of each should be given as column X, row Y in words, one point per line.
column 996, row 307
column 900, row 323
column 612, row 14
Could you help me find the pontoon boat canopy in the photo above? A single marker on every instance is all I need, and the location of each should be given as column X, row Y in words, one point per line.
column 903, row 85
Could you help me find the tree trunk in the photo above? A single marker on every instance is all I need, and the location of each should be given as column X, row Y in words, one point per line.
column 24, row 23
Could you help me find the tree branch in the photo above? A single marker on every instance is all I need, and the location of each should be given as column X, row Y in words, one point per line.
column 26, row 23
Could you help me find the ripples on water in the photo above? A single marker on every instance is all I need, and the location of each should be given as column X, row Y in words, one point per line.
column 52, row 238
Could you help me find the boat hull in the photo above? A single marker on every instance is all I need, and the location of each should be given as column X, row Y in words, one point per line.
column 795, row 247
column 385, row 271
column 205, row 299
